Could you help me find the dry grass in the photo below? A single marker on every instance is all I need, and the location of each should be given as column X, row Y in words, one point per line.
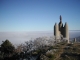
column 72, row 52
column 67, row 51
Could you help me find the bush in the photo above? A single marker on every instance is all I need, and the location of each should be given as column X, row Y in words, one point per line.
column 50, row 56
column 1, row 57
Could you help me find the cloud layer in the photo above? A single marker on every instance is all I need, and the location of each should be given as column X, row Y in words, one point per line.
column 21, row 37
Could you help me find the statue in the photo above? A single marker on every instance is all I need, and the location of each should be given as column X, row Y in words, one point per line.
column 60, row 18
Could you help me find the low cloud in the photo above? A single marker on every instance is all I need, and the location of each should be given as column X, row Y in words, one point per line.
column 21, row 37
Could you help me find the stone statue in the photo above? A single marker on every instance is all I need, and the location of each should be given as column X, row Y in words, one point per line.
column 61, row 30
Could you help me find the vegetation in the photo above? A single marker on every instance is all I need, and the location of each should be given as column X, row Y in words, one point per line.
column 59, row 51
column 72, row 52
column 64, row 51
column 6, row 49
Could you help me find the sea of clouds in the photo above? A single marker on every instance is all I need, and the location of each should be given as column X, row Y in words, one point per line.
column 21, row 37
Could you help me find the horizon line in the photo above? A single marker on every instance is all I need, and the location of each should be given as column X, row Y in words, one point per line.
column 34, row 31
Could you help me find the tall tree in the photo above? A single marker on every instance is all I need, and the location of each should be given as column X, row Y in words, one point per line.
column 7, row 47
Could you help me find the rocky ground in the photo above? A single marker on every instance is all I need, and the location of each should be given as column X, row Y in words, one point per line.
column 62, row 51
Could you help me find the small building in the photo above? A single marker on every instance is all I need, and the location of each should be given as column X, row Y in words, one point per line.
column 74, row 39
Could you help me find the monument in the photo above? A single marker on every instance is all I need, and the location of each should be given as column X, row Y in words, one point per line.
column 61, row 31
column 74, row 39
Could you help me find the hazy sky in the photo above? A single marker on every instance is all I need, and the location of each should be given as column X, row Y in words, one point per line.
column 38, row 15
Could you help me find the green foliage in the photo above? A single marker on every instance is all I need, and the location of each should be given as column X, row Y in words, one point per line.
column 52, row 47
column 38, row 51
column 69, row 44
column 1, row 56
column 50, row 56
column 63, row 43
column 7, row 47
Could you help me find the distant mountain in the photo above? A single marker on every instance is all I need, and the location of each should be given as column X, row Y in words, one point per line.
column 78, row 39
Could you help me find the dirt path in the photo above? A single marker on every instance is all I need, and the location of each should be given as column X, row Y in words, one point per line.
column 60, row 52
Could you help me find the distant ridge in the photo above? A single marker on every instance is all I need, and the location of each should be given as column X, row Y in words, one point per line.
column 74, row 30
